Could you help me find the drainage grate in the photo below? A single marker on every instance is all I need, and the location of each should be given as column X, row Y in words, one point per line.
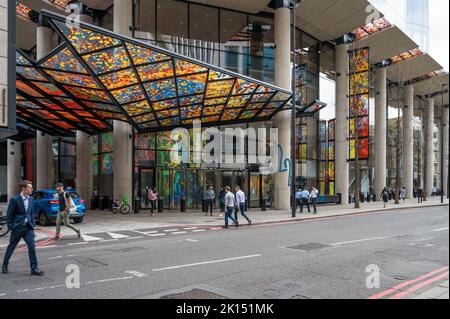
column 309, row 246
column 194, row 294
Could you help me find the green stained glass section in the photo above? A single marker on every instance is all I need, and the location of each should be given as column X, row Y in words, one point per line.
column 85, row 40
column 64, row 60
column 141, row 55
column 108, row 60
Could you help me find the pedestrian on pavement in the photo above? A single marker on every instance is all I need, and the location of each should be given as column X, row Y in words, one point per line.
column 222, row 201
column 298, row 198
column 146, row 199
column 20, row 221
column 209, row 196
column 152, row 197
column 240, row 204
column 391, row 193
column 313, row 197
column 66, row 207
column 229, row 206
column 434, row 191
column 420, row 195
column 385, row 196
column 305, row 200
column 403, row 194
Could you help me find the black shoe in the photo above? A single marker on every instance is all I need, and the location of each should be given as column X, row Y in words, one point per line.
column 37, row 273
column 55, row 238
column 225, row 227
column 79, row 234
column 5, row 270
column 237, row 225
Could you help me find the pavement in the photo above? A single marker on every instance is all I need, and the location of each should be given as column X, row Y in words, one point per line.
column 389, row 254
column 97, row 223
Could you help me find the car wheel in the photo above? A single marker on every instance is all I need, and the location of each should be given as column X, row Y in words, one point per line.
column 78, row 220
column 43, row 220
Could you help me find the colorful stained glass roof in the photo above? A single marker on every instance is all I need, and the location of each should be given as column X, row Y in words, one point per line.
column 111, row 76
column 371, row 28
column 406, row 55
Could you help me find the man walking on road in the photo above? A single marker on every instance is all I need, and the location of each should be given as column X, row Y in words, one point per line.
column 20, row 219
column 305, row 200
column 65, row 203
column 229, row 206
column 240, row 204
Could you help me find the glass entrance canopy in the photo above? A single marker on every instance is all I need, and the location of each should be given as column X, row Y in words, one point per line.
column 96, row 75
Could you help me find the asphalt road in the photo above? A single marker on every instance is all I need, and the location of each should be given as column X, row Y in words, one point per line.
column 260, row 261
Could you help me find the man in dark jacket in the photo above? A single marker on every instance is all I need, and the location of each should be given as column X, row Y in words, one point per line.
column 20, row 220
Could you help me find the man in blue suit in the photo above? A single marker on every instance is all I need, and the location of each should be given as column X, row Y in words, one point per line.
column 20, row 221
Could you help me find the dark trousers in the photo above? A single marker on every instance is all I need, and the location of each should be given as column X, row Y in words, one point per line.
column 229, row 214
column 242, row 210
column 303, row 203
column 27, row 233
column 209, row 206
column 298, row 203
column 314, row 203
column 153, row 205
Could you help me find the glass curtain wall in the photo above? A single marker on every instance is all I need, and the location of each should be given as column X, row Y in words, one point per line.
column 102, row 159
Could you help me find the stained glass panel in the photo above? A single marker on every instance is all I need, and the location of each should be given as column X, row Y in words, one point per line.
column 196, row 99
column 244, row 87
column 64, row 60
column 129, row 94
column 119, row 79
column 191, row 111
column 137, row 108
column 214, row 110
column 108, row 60
column 73, row 79
column 230, row 114
column 144, row 118
column 141, row 55
column 29, row 73
column 219, row 88
column 184, row 67
column 88, row 94
column 49, row 88
column 25, row 88
column 156, row 71
column 165, row 104
column 216, row 101
column 359, row 105
column 216, row 75
column 161, row 90
column 238, row 101
column 191, row 84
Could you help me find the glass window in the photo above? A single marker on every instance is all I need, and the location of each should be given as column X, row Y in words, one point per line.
column 234, row 40
column 145, row 141
column 168, row 26
column 204, row 24
column 262, row 49
column 145, row 19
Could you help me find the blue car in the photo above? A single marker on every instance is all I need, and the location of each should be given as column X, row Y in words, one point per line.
column 46, row 206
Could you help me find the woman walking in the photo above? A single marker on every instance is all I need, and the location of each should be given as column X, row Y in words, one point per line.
column 385, row 196
column 152, row 197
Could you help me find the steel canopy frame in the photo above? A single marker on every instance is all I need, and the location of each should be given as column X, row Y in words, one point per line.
column 259, row 101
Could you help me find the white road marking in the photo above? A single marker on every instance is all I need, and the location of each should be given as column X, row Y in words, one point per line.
column 445, row 228
column 215, row 228
column 198, row 230
column 90, row 238
column 2, row 295
column 131, row 238
column 49, row 246
column 190, row 228
column 108, row 280
column 357, row 241
column 56, row 257
column 179, row 232
column 150, row 232
column 156, row 235
column 171, row 230
column 117, row 236
column 136, row 273
column 73, row 244
column 207, row 262
column 192, row 240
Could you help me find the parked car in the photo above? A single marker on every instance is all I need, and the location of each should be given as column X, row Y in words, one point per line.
column 46, row 206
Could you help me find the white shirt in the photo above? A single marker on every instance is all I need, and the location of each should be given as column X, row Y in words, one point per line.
column 240, row 197
column 314, row 193
column 229, row 199
column 26, row 203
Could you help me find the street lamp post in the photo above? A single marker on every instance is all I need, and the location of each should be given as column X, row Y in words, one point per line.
column 293, row 111
column 442, row 145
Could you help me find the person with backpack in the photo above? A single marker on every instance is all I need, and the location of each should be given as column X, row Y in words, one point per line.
column 385, row 196
column 66, row 207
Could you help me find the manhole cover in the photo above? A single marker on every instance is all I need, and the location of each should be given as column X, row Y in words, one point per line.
column 194, row 294
column 309, row 247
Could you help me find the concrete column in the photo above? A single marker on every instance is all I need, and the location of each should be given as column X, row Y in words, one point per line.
column 380, row 131
column 342, row 101
column 13, row 163
column 122, row 157
column 408, row 142
column 44, row 152
column 83, row 181
column 429, row 147
column 283, row 119
column 446, row 146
